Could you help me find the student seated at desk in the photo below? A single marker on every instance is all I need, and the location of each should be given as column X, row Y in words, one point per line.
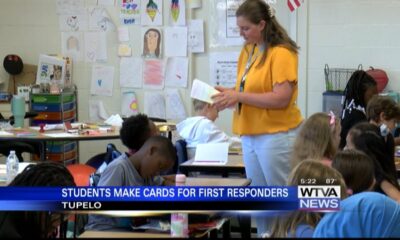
column 140, row 169
column 35, row 225
column 202, row 129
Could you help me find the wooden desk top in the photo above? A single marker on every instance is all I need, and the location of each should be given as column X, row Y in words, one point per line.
column 98, row 234
column 233, row 161
column 218, row 182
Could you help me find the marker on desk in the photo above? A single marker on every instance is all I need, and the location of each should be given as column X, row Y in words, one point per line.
column 26, row 134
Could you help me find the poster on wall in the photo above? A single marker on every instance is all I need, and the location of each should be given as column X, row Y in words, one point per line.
column 154, row 104
column 73, row 23
column 129, row 104
column 130, row 12
column 224, row 30
column 102, row 80
column 151, row 12
column 223, row 68
column 177, row 12
column 50, row 69
column 72, row 45
column 152, row 43
column 153, row 74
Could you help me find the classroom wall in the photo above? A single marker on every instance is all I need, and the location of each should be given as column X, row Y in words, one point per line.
column 345, row 34
column 341, row 33
column 31, row 27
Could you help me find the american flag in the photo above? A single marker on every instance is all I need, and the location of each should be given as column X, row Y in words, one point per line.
column 293, row 4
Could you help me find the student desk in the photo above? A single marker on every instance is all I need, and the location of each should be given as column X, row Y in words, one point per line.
column 234, row 165
column 57, row 135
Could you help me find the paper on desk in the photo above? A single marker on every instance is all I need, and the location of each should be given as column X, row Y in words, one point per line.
column 211, row 153
column 4, row 133
column 59, row 135
column 114, row 120
column 202, row 91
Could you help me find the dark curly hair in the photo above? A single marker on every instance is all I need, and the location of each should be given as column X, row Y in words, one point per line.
column 135, row 131
column 24, row 224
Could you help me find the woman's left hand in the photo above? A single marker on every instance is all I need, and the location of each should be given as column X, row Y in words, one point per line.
column 226, row 99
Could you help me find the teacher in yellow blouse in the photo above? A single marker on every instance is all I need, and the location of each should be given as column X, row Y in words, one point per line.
column 266, row 115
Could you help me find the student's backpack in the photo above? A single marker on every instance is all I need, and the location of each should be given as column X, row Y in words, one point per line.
column 101, row 161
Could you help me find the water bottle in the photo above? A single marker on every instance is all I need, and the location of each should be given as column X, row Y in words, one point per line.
column 179, row 221
column 12, row 166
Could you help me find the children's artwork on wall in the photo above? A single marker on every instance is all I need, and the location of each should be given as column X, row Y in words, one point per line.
column 91, row 43
column 99, row 20
column 102, row 80
column 50, row 69
column 177, row 72
column 72, row 45
column 152, row 43
column 196, row 36
column 151, row 12
column 97, row 111
column 129, row 104
column 130, row 72
column 153, row 74
column 176, row 41
column 106, row 2
column 73, row 23
column 130, row 12
column 174, row 105
column 70, row 6
column 154, row 104
column 177, row 12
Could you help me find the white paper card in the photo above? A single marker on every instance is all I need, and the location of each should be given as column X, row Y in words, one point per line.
column 176, row 41
column 102, row 80
column 131, row 72
column 202, row 91
column 123, row 34
column 196, row 36
column 174, row 105
column 177, row 72
column 216, row 153
column 97, row 111
column 154, row 104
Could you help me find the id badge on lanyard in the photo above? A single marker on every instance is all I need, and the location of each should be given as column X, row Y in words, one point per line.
column 249, row 64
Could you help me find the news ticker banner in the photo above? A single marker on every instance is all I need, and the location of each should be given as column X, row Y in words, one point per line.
column 309, row 198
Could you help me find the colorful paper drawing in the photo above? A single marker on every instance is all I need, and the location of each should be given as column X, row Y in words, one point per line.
column 99, row 20
column 196, row 36
column 130, row 72
column 202, row 91
column 178, row 13
column 130, row 12
column 73, row 23
column 177, row 72
column 129, row 104
column 153, row 74
column 176, row 41
column 152, row 42
column 174, row 105
column 154, row 104
column 72, row 45
column 102, row 80
column 50, row 69
column 151, row 12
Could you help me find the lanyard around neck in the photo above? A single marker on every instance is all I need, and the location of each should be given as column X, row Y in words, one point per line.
column 249, row 64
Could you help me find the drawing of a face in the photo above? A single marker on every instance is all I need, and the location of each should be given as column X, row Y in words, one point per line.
column 72, row 21
column 152, row 43
column 72, row 43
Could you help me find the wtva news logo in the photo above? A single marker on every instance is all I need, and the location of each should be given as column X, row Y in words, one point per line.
column 319, row 198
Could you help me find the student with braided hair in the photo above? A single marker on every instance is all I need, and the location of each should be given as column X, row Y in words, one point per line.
column 34, row 224
column 359, row 90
